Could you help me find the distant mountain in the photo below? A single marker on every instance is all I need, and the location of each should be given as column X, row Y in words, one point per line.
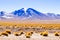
column 53, row 16
column 30, row 13
column 33, row 14
column 19, row 12
column 2, row 13
column 57, row 16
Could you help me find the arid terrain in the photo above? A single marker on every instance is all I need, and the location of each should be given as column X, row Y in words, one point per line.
column 50, row 26
column 33, row 37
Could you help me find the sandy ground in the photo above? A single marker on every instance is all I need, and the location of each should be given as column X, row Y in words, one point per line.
column 35, row 36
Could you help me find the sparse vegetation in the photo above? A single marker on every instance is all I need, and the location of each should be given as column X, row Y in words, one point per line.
column 4, row 33
column 47, row 26
column 31, row 32
column 16, row 34
column 45, row 33
column 56, row 33
column 8, row 31
column 41, row 33
column 28, row 34
column 21, row 32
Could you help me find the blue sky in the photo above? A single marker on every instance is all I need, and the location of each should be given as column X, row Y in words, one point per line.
column 44, row 6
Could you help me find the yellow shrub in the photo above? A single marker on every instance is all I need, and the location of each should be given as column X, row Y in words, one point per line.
column 45, row 33
column 41, row 33
column 8, row 31
column 21, row 32
column 4, row 33
column 56, row 33
column 28, row 34
column 31, row 32
column 16, row 34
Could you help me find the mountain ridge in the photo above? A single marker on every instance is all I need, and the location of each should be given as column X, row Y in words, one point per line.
column 30, row 14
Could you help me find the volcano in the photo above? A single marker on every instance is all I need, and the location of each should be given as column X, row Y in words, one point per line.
column 30, row 14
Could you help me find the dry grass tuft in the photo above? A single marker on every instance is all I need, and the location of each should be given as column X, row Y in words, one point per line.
column 56, row 33
column 4, row 33
column 8, row 31
column 16, row 34
column 45, row 33
column 21, row 32
column 28, row 34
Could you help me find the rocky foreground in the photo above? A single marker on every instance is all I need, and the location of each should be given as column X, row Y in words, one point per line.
column 35, row 36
